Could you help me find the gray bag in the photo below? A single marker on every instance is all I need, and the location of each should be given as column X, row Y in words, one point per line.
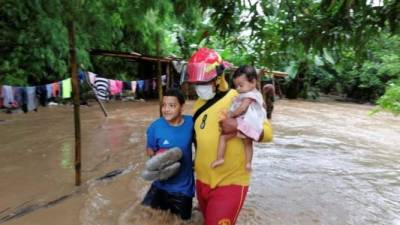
column 162, row 166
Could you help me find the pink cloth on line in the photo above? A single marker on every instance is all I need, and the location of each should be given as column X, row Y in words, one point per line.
column 133, row 84
column 116, row 87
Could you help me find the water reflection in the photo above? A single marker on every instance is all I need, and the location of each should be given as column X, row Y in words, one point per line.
column 66, row 156
column 330, row 163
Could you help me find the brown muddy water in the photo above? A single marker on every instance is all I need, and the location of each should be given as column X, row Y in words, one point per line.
column 330, row 163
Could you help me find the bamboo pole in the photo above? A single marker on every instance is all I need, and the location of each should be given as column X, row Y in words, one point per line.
column 160, row 94
column 75, row 91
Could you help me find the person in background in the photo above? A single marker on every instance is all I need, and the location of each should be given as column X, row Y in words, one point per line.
column 173, row 129
column 269, row 98
column 220, row 191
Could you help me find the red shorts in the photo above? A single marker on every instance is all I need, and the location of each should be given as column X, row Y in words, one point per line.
column 221, row 205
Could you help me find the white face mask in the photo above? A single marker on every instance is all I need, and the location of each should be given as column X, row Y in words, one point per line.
column 205, row 92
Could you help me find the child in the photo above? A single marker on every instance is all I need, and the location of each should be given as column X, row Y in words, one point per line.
column 249, row 112
column 173, row 130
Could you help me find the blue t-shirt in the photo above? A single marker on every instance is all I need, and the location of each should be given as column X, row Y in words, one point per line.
column 161, row 135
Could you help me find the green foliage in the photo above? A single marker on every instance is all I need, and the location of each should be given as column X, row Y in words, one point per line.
column 390, row 101
column 346, row 47
column 34, row 38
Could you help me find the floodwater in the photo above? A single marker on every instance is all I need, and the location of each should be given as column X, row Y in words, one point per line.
column 330, row 163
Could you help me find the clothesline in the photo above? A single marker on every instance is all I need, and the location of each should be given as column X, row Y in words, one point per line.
column 29, row 97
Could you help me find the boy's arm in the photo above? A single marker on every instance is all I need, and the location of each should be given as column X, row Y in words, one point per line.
column 242, row 108
column 151, row 141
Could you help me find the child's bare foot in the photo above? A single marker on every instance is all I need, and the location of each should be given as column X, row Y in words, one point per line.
column 248, row 167
column 217, row 162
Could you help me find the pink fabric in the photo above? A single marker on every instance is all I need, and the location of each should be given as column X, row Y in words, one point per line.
column 120, row 86
column 116, row 87
column 254, row 94
column 250, row 123
column 247, row 129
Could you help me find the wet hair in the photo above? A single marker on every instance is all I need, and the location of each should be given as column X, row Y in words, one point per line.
column 176, row 93
column 249, row 71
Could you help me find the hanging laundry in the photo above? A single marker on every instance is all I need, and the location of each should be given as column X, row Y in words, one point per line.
column 66, row 88
column 153, row 84
column 101, row 85
column 112, row 86
column 18, row 96
column 61, row 88
column 127, row 86
column 120, row 86
column 1, row 96
column 92, row 77
column 164, row 80
column 49, row 88
column 41, row 91
column 55, row 89
column 140, row 85
column 115, row 87
column 81, row 75
column 24, row 105
column 8, row 96
column 146, row 85
column 180, row 67
column 21, row 98
column 31, row 98
column 133, row 85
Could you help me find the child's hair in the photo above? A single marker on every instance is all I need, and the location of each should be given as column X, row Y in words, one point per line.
column 175, row 93
column 248, row 71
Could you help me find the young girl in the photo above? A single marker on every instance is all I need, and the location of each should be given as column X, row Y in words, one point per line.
column 249, row 112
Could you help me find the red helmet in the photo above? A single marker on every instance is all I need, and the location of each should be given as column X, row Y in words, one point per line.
column 202, row 65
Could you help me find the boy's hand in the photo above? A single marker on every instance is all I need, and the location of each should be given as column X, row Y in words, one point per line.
column 150, row 153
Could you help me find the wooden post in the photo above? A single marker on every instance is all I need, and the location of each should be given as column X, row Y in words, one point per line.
column 171, row 76
column 160, row 94
column 75, row 91
column 168, row 85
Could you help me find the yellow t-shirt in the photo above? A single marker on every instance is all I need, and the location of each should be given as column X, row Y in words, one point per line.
column 207, row 133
